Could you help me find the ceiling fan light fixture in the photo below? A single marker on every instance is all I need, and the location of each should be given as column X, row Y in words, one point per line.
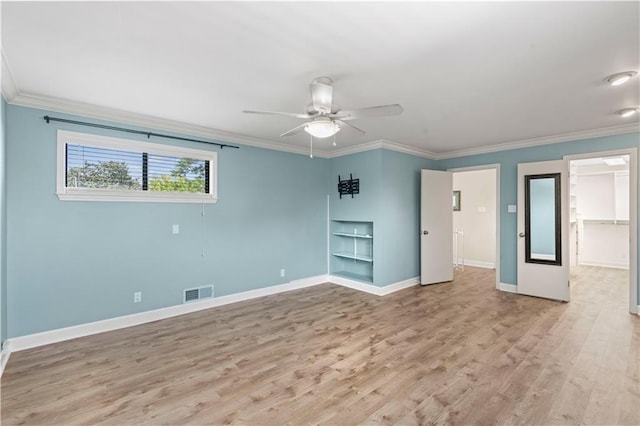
column 620, row 78
column 627, row 112
column 322, row 128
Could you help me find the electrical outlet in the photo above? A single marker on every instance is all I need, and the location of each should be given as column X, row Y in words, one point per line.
column 175, row 229
column 282, row 272
column 137, row 297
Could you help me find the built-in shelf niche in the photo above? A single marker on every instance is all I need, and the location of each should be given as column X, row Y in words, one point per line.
column 351, row 247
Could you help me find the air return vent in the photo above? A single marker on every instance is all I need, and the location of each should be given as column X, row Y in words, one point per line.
column 199, row 293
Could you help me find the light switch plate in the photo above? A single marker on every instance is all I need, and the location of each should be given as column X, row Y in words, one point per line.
column 175, row 229
column 511, row 208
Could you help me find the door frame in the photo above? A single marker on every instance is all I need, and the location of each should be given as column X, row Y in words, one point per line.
column 496, row 167
column 633, row 214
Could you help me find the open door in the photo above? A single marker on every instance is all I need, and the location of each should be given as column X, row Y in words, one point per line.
column 543, row 250
column 436, row 222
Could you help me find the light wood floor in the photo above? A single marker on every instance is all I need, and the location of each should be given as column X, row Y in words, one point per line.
column 456, row 353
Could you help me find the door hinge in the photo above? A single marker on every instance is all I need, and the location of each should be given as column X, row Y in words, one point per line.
column 568, row 283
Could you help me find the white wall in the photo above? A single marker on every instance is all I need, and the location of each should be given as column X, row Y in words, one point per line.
column 477, row 216
column 605, row 244
column 603, row 219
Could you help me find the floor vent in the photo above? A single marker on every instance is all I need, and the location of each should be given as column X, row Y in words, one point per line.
column 199, row 293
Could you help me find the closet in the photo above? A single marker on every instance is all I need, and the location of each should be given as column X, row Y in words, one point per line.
column 599, row 217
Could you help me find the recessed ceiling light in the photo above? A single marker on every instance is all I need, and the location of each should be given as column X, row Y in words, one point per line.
column 627, row 112
column 620, row 78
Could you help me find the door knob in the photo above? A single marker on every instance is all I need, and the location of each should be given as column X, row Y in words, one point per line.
column 425, row 232
column 521, row 235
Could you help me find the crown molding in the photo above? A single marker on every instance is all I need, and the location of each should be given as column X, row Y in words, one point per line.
column 9, row 89
column 382, row 144
column 13, row 96
column 120, row 116
column 544, row 140
column 418, row 152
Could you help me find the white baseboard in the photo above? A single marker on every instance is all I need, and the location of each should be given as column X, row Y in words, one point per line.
column 4, row 357
column 67, row 333
column 509, row 288
column 603, row 264
column 479, row 264
column 59, row 335
column 372, row 289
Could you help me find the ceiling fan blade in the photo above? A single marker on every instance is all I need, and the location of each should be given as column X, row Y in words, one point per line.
column 321, row 95
column 351, row 126
column 289, row 114
column 375, row 111
column 295, row 130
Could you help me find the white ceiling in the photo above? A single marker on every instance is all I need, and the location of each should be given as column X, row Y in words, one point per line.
column 468, row 75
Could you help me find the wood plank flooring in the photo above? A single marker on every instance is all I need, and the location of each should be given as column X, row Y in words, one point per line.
column 455, row 353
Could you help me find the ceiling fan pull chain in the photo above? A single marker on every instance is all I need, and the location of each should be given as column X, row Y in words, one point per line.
column 334, row 140
column 310, row 146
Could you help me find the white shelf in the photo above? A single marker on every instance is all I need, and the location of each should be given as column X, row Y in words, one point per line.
column 344, row 234
column 352, row 249
column 349, row 255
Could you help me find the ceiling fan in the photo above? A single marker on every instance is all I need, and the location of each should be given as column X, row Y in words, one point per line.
column 325, row 118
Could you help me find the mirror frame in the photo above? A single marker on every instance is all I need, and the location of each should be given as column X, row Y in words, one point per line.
column 558, row 219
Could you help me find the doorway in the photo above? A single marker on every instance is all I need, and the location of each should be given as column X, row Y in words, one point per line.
column 602, row 232
column 476, row 217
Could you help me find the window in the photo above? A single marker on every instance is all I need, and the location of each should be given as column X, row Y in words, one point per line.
column 99, row 168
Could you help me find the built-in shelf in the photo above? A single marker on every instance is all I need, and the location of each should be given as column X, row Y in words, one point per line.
column 352, row 249
column 349, row 255
column 344, row 234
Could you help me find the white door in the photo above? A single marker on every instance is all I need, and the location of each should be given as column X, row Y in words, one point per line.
column 436, row 223
column 543, row 249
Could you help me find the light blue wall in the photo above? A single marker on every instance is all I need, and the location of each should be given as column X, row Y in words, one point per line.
column 542, row 213
column 3, row 221
column 398, row 236
column 365, row 206
column 75, row 262
column 69, row 263
column 390, row 197
column 508, row 161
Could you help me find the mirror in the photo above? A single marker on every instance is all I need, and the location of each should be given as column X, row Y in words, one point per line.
column 542, row 219
column 456, row 201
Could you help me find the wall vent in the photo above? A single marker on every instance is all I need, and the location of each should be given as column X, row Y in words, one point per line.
column 199, row 293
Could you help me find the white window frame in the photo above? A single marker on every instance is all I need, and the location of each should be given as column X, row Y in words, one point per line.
column 96, row 194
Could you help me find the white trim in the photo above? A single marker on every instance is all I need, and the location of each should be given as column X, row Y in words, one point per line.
column 9, row 89
column 15, row 97
column 479, row 264
column 4, row 357
column 88, row 194
column 509, row 288
column 544, row 140
column 496, row 167
column 73, row 332
column 373, row 289
column 634, row 283
column 142, row 120
column 382, row 144
column 604, row 265
column 82, row 330
column 638, row 310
